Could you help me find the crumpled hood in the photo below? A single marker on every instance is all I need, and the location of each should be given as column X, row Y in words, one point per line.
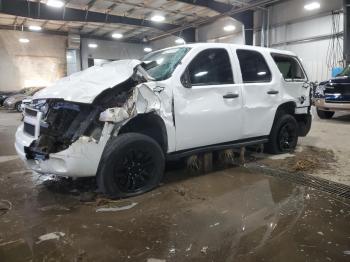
column 84, row 86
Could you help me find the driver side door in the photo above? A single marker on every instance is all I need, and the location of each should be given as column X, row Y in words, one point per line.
column 208, row 103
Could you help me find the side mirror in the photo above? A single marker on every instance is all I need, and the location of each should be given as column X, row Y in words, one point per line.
column 185, row 79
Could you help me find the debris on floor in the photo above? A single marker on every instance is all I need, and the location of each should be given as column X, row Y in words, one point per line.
column 50, row 236
column 155, row 260
column 204, row 250
column 116, row 208
column 5, row 206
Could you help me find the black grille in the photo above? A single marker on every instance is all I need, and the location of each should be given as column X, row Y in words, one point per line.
column 29, row 129
column 30, row 112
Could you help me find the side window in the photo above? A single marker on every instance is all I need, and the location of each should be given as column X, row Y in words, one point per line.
column 289, row 67
column 253, row 66
column 211, row 67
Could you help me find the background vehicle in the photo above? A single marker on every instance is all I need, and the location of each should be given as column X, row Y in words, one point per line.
column 14, row 102
column 178, row 102
column 333, row 95
column 4, row 95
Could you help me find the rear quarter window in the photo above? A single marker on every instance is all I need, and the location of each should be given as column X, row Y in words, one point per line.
column 289, row 67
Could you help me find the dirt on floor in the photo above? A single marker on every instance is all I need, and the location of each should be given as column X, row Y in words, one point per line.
column 307, row 159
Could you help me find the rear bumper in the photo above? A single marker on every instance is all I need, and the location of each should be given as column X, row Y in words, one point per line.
column 321, row 103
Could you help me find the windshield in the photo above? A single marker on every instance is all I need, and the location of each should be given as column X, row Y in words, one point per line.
column 165, row 62
column 346, row 72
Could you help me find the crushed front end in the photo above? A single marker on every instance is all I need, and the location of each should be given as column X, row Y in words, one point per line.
column 65, row 129
column 62, row 138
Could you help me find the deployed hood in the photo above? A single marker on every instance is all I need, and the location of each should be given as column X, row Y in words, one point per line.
column 86, row 85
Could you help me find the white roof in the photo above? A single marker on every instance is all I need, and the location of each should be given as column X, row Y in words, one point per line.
column 257, row 48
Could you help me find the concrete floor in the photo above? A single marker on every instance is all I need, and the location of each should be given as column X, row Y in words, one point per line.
column 235, row 214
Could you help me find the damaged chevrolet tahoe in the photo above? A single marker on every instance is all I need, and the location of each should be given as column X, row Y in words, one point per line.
column 121, row 121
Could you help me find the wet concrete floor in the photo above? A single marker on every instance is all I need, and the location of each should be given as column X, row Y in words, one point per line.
column 229, row 215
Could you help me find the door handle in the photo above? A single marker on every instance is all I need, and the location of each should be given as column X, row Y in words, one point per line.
column 272, row 92
column 230, row 96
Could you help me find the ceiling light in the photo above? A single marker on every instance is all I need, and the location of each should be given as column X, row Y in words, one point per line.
column 93, row 45
column 55, row 3
column 23, row 40
column 35, row 28
column 229, row 28
column 117, row 35
column 312, row 6
column 158, row 18
column 147, row 49
column 180, row 41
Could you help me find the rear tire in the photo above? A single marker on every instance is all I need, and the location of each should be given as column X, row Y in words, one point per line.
column 131, row 164
column 324, row 114
column 284, row 135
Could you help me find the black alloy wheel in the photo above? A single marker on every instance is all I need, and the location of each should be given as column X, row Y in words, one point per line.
column 131, row 164
column 284, row 135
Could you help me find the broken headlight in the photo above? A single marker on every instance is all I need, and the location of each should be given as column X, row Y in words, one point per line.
column 40, row 105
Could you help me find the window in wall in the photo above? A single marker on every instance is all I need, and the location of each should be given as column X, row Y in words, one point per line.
column 253, row 66
column 289, row 67
column 211, row 67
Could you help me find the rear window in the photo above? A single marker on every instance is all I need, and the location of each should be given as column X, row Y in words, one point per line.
column 290, row 67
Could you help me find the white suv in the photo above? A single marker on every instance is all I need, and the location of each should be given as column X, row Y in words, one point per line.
column 121, row 120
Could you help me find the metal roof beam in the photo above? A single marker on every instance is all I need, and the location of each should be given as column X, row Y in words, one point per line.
column 30, row 10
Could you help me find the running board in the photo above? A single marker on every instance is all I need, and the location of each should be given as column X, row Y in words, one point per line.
column 217, row 147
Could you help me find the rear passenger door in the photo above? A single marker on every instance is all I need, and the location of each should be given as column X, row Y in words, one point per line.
column 260, row 93
column 208, row 103
column 295, row 79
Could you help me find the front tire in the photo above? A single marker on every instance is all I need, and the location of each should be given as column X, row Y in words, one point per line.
column 324, row 114
column 284, row 135
column 131, row 164
column 18, row 107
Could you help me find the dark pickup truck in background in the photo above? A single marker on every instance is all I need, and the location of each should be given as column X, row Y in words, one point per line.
column 333, row 95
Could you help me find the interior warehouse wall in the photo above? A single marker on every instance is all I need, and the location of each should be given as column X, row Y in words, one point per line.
column 37, row 63
column 214, row 32
column 111, row 50
column 292, row 28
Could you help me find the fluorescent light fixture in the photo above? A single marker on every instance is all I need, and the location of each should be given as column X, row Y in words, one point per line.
column 23, row 40
column 55, row 3
column 93, row 45
column 157, row 18
column 147, row 49
column 262, row 73
column 229, row 28
column 312, row 6
column 180, row 41
column 35, row 28
column 117, row 35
